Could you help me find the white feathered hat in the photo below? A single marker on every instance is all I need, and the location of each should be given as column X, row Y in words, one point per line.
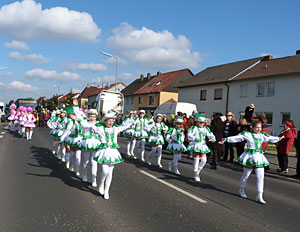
column 108, row 116
column 142, row 112
column 93, row 111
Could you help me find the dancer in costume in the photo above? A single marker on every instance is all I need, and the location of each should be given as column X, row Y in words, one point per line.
column 59, row 130
column 11, row 117
column 175, row 138
column 90, row 143
column 29, row 124
column 156, row 139
column 17, row 117
column 52, row 124
column 197, row 135
column 140, row 133
column 129, row 133
column 22, row 121
column 72, row 138
column 253, row 158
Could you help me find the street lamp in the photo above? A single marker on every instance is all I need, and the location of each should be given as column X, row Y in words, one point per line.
column 107, row 54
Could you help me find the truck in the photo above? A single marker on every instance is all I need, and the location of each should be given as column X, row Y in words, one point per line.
column 2, row 108
column 107, row 100
column 27, row 102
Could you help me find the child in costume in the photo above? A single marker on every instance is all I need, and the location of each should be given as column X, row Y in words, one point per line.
column 253, row 158
column 11, row 117
column 156, row 139
column 197, row 135
column 129, row 133
column 52, row 124
column 29, row 124
column 175, row 138
column 140, row 133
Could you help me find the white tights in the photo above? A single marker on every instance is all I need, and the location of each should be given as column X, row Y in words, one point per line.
column 197, row 167
column 157, row 149
column 176, row 158
column 88, row 158
column 106, row 175
column 77, row 155
column 259, row 178
column 141, row 144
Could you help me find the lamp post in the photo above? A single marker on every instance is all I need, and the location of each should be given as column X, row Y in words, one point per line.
column 107, row 54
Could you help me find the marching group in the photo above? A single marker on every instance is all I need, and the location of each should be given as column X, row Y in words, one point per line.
column 79, row 137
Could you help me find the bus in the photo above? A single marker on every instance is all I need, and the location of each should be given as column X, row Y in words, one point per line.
column 27, row 102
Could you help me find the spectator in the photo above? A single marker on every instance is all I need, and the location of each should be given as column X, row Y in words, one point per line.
column 217, row 128
column 46, row 117
column 230, row 130
column 284, row 146
column 242, row 126
column 249, row 112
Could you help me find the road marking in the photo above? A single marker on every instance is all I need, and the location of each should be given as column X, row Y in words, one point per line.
column 1, row 136
column 6, row 127
column 2, row 133
column 175, row 188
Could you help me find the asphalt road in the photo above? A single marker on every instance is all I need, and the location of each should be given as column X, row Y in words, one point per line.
column 39, row 194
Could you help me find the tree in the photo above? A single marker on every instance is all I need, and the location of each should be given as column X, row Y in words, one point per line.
column 53, row 103
column 69, row 99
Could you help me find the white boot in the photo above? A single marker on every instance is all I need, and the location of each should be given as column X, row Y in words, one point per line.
column 242, row 193
column 30, row 134
column 106, row 193
column 259, row 198
column 27, row 135
column 59, row 152
column 196, row 176
column 142, row 156
column 176, row 171
column 101, row 187
column 77, row 171
column 94, row 181
column 67, row 164
column 71, row 168
column 84, row 177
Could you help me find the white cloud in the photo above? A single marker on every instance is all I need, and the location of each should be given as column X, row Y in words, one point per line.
column 8, row 74
column 27, row 20
column 52, row 75
column 124, row 77
column 87, row 67
column 159, row 50
column 32, row 58
column 112, row 60
column 15, row 44
column 23, row 87
column 76, row 91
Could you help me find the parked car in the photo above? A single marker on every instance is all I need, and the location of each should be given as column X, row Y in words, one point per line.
column 2, row 107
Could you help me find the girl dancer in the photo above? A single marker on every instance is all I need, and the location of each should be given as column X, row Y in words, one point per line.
column 129, row 134
column 175, row 138
column 109, row 155
column 52, row 124
column 253, row 158
column 89, row 144
column 22, row 121
column 156, row 138
column 60, row 125
column 29, row 124
column 11, row 117
column 140, row 133
column 197, row 135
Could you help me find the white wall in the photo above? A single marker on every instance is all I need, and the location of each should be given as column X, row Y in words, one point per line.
column 209, row 106
column 287, row 95
column 128, row 104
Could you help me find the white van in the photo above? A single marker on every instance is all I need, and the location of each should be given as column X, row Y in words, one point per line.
column 169, row 108
column 2, row 107
column 107, row 100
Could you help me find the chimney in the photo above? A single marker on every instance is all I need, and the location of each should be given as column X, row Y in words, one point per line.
column 102, row 85
column 148, row 76
column 298, row 52
column 158, row 73
column 142, row 77
column 268, row 57
column 98, row 86
column 108, row 84
column 88, row 86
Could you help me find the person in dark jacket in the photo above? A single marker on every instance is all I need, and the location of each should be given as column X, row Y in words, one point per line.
column 230, row 130
column 249, row 112
column 217, row 128
column 242, row 126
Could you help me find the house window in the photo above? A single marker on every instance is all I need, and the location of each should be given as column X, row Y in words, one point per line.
column 218, row 94
column 132, row 100
column 269, row 116
column 260, row 89
column 140, row 100
column 258, row 114
column 151, row 100
column 243, row 90
column 270, row 88
column 285, row 117
column 203, row 95
column 127, row 100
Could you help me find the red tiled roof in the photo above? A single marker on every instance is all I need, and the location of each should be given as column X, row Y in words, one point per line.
column 135, row 85
column 161, row 81
column 99, row 90
column 273, row 67
column 64, row 98
column 87, row 91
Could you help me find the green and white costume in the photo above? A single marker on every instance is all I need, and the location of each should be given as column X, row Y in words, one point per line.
column 129, row 132
column 197, row 137
column 72, row 135
column 155, row 133
column 254, row 155
column 178, row 136
column 140, row 126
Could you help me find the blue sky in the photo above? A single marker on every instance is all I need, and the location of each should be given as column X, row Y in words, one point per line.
column 48, row 43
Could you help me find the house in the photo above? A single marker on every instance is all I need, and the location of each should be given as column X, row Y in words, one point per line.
column 63, row 100
column 160, row 89
column 91, row 103
column 83, row 97
column 270, row 84
column 128, row 92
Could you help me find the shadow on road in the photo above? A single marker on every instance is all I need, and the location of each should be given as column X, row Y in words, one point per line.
column 45, row 159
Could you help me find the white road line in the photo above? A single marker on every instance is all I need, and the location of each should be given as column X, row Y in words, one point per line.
column 1, row 136
column 174, row 187
column 2, row 133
